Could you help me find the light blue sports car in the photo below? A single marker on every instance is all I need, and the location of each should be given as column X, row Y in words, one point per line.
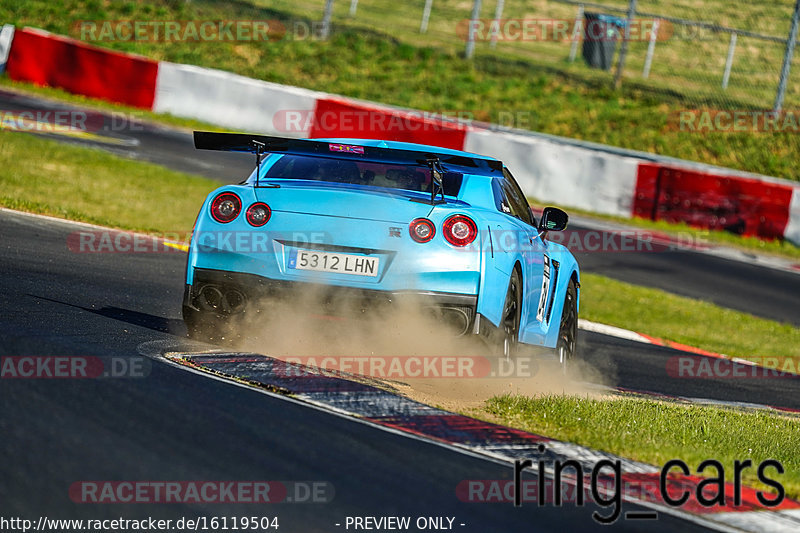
column 375, row 221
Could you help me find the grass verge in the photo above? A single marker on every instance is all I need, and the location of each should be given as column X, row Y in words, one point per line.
column 689, row 321
column 656, row 431
column 90, row 185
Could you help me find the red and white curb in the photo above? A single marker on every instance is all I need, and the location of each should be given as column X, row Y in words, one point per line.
column 634, row 336
column 388, row 411
column 643, row 338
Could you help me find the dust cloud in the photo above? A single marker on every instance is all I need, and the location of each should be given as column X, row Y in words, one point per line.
column 403, row 345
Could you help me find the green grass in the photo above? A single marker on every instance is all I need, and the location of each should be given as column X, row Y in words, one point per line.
column 367, row 58
column 656, row 431
column 688, row 321
column 90, row 185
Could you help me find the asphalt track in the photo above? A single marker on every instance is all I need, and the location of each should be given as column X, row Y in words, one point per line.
column 175, row 425
column 763, row 292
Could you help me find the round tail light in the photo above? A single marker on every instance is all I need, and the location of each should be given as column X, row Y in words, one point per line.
column 226, row 207
column 459, row 230
column 421, row 229
column 258, row 214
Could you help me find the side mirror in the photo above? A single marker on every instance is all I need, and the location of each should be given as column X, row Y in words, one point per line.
column 553, row 219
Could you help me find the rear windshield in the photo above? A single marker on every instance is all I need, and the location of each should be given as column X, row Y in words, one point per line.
column 376, row 174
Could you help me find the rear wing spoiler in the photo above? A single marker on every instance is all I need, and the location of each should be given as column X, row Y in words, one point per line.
column 261, row 144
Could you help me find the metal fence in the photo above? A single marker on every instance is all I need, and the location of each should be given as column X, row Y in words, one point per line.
column 727, row 54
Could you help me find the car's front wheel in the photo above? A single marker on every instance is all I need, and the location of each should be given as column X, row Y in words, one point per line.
column 568, row 329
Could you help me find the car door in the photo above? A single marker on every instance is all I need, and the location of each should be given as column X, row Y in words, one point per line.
column 530, row 247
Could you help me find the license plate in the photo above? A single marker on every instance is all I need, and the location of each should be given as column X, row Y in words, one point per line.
column 358, row 265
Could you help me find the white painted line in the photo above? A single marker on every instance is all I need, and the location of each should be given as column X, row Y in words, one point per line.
column 778, row 521
column 613, row 331
column 86, row 225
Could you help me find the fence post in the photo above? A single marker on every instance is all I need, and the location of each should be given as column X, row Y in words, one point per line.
column 729, row 61
column 498, row 14
column 353, row 7
column 576, row 33
column 325, row 30
column 787, row 59
column 426, row 14
column 476, row 13
column 623, row 52
column 651, row 48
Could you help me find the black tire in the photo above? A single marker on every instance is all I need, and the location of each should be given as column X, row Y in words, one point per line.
column 509, row 320
column 568, row 329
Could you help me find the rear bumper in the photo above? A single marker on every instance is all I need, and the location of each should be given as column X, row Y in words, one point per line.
column 457, row 309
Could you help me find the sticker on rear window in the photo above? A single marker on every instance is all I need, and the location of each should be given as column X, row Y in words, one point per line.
column 346, row 148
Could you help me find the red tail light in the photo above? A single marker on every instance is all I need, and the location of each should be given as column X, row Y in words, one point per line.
column 226, row 207
column 421, row 229
column 459, row 230
column 258, row 214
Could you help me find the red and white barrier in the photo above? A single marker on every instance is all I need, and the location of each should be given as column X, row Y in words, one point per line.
column 6, row 36
column 43, row 58
column 747, row 206
column 792, row 231
column 342, row 117
column 570, row 176
column 234, row 101
column 563, row 173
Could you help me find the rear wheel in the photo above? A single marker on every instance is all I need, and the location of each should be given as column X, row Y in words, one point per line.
column 509, row 324
column 568, row 329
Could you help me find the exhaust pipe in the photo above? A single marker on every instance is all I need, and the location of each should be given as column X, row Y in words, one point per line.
column 236, row 300
column 456, row 319
column 212, row 298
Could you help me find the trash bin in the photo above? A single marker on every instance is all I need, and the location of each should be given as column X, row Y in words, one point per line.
column 600, row 35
